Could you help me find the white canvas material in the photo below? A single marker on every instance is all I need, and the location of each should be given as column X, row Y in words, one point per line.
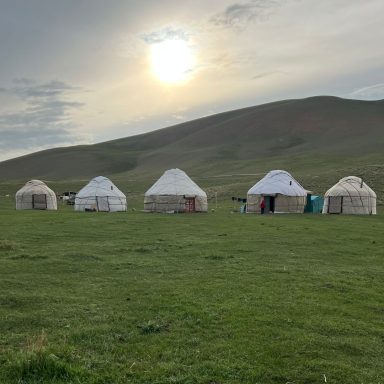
column 289, row 195
column 350, row 196
column 173, row 192
column 36, row 195
column 101, row 195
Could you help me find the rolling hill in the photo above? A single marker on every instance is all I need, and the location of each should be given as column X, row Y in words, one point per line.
column 316, row 135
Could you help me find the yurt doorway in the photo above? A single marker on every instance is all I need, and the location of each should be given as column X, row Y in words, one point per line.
column 102, row 203
column 335, row 204
column 190, row 204
column 39, row 201
column 269, row 204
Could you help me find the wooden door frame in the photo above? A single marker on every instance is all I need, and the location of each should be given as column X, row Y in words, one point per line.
column 45, row 200
column 341, row 205
column 190, row 202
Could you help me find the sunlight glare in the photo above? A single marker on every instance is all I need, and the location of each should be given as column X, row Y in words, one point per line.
column 172, row 61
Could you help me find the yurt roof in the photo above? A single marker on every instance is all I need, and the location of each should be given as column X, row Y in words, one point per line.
column 175, row 182
column 350, row 186
column 278, row 182
column 35, row 182
column 100, row 186
column 35, row 187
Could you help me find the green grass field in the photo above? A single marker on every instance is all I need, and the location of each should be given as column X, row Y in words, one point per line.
column 205, row 298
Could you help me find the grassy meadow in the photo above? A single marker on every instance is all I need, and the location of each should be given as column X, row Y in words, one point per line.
column 207, row 298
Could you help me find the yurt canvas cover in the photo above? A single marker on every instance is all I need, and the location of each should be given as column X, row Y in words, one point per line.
column 36, row 195
column 175, row 192
column 101, row 195
column 281, row 193
column 350, row 196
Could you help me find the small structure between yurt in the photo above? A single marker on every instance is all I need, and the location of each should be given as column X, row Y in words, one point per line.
column 100, row 195
column 350, row 196
column 36, row 195
column 175, row 192
column 314, row 203
column 281, row 194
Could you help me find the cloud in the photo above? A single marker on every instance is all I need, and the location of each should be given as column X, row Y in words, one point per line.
column 267, row 74
column 239, row 15
column 43, row 120
column 167, row 33
column 27, row 88
column 373, row 92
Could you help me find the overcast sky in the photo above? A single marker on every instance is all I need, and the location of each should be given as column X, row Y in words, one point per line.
column 80, row 71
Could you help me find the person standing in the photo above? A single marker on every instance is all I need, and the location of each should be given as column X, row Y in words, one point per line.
column 262, row 206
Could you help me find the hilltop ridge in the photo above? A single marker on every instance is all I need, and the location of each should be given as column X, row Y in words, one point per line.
column 320, row 126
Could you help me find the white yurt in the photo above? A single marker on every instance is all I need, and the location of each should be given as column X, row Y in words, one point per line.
column 350, row 196
column 36, row 195
column 280, row 192
column 100, row 195
column 175, row 192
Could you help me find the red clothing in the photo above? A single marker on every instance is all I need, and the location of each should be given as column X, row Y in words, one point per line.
column 262, row 204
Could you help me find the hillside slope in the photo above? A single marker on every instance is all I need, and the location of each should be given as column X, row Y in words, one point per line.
column 317, row 128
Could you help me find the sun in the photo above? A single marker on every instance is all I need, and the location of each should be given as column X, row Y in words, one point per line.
column 172, row 61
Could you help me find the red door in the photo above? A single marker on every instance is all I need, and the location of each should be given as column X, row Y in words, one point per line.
column 189, row 204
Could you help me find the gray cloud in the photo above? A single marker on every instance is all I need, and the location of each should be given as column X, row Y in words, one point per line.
column 166, row 33
column 27, row 88
column 239, row 15
column 44, row 120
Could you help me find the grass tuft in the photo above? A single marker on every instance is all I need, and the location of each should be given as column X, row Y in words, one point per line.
column 40, row 367
column 10, row 302
column 153, row 326
column 37, row 364
column 7, row 245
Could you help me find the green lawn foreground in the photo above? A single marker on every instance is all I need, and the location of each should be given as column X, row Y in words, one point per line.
column 205, row 298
